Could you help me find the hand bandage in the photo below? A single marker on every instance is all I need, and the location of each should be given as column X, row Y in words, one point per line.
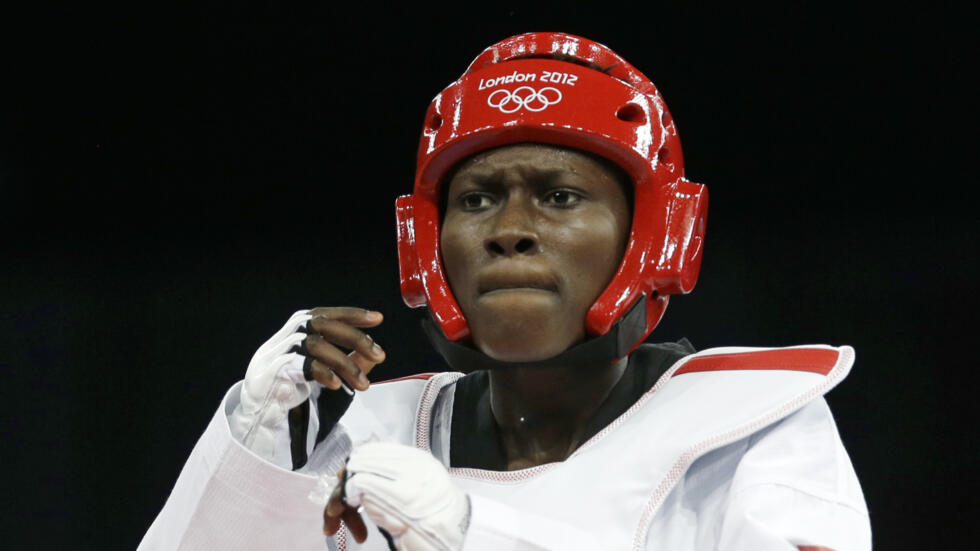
column 274, row 384
column 408, row 493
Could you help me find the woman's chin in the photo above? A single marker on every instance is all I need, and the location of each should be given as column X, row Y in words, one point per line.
column 525, row 342
column 523, row 325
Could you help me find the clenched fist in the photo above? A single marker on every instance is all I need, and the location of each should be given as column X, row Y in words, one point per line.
column 308, row 347
column 403, row 490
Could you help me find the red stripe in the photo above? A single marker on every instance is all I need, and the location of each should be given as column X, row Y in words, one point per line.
column 423, row 376
column 813, row 360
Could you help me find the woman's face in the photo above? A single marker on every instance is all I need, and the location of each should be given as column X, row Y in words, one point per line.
column 531, row 236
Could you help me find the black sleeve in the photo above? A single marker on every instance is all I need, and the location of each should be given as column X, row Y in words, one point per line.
column 331, row 406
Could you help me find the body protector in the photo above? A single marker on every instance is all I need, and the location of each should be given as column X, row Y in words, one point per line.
column 563, row 90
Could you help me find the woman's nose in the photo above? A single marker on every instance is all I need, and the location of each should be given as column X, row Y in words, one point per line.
column 513, row 233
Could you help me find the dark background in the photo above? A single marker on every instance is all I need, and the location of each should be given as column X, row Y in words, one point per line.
column 174, row 182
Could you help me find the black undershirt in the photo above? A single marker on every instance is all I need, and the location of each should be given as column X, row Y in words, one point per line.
column 474, row 440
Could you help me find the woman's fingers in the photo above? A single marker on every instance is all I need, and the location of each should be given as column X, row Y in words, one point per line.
column 332, row 512
column 342, row 334
column 335, row 360
column 355, row 524
column 363, row 363
column 336, row 328
column 353, row 520
column 325, row 376
column 358, row 317
column 331, row 524
column 336, row 511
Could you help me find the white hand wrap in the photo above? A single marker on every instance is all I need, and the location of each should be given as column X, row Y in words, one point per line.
column 274, row 384
column 408, row 492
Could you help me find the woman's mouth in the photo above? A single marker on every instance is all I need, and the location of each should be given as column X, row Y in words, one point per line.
column 519, row 279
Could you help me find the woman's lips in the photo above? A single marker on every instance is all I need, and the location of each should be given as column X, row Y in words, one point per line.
column 502, row 290
column 514, row 279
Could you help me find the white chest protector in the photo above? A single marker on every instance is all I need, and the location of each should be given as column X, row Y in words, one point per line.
column 633, row 483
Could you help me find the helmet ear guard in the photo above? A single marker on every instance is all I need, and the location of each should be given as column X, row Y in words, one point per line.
column 429, row 286
column 567, row 91
column 675, row 233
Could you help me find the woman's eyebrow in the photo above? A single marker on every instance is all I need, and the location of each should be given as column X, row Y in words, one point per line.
column 530, row 173
column 489, row 179
column 495, row 179
column 543, row 176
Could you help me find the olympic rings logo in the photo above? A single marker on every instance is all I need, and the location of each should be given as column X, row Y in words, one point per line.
column 526, row 97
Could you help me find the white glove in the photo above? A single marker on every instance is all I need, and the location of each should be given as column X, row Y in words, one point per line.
column 274, row 384
column 408, row 493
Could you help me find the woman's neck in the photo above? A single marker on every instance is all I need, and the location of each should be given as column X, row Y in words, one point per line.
column 543, row 413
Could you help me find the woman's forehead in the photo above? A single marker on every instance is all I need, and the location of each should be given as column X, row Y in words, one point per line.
column 533, row 158
column 545, row 155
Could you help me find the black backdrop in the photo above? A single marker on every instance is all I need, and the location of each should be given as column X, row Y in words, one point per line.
column 174, row 182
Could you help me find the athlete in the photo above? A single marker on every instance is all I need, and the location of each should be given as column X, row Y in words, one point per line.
column 549, row 224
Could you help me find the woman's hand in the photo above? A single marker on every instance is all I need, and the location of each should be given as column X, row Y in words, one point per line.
column 406, row 492
column 307, row 348
column 336, row 328
column 337, row 510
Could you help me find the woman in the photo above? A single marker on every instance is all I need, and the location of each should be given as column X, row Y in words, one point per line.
column 566, row 432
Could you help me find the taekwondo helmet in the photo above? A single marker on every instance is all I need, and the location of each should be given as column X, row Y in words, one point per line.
column 564, row 90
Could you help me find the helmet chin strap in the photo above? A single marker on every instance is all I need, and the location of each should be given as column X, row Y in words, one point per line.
column 607, row 348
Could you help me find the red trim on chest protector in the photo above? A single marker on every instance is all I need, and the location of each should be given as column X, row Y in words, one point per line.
column 422, row 376
column 813, row 360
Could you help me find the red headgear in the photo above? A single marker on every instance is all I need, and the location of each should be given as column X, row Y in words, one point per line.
column 560, row 89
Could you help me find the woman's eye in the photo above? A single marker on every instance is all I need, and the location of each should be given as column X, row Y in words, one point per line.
column 475, row 201
column 562, row 198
